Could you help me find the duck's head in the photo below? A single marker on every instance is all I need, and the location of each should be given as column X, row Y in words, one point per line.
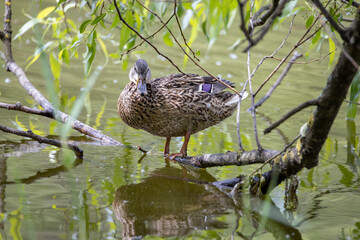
column 139, row 74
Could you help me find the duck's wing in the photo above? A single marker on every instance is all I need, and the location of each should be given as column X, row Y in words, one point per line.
column 192, row 82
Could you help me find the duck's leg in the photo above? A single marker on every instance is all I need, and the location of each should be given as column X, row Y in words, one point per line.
column 183, row 151
column 185, row 144
column 167, row 146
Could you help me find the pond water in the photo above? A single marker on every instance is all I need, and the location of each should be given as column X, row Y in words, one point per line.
column 116, row 192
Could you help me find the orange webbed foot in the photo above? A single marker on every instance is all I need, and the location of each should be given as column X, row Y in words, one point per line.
column 174, row 155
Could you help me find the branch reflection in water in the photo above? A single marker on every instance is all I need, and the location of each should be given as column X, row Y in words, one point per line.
column 170, row 202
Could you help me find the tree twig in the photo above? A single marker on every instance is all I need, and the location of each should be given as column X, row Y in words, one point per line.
column 262, row 20
column 278, row 81
column 295, row 110
column 289, row 53
column 40, row 139
column 242, row 25
column 272, row 55
column 269, row 23
column 253, row 112
column 331, row 20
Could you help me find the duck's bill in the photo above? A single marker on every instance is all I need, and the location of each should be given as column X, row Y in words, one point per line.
column 141, row 86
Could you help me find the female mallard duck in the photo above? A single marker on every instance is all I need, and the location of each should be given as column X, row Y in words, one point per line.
column 172, row 106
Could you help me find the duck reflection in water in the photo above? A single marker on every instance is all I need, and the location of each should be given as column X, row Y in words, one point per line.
column 169, row 206
column 169, row 203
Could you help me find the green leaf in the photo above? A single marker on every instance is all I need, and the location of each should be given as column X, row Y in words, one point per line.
column 98, row 18
column 61, row 1
column 309, row 21
column 26, row 27
column 125, row 62
column 34, row 59
column 44, row 13
column 100, row 115
column 90, row 53
column 115, row 22
column 55, row 66
column 84, row 25
column 125, row 31
column 354, row 97
column 167, row 39
column 332, row 48
column 316, row 37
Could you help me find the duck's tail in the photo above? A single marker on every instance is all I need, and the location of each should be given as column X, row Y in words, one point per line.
column 235, row 99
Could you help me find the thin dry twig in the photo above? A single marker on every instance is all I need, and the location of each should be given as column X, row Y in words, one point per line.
column 289, row 53
column 281, row 45
column 352, row 102
column 278, row 81
column 295, row 110
column 253, row 104
column 305, row 62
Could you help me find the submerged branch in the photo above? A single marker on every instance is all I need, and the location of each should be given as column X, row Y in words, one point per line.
column 40, row 139
column 19, row 107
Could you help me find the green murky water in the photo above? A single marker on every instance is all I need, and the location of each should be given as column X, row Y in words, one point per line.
column 116, row 193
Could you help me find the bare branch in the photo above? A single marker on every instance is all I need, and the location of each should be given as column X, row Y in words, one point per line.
column 252, row 102
column 264, row 18
column 331, row 20
column 40, row 139
column 300, row 42
column 242, row 25
column 281, row 45
column 278, row 81
column 292, row 112
column 351, row 102
column 182, row 33
column 226, row 159
column 269, row 22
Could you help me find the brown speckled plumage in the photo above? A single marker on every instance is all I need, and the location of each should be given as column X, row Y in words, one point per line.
column 175, row 105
